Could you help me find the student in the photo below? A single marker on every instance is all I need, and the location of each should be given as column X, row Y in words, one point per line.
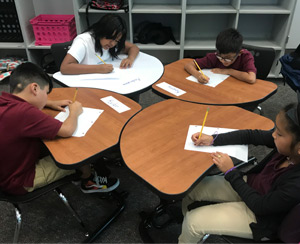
column 105, row 39
column 250, row 205
column 229, row 59
column 22, row 127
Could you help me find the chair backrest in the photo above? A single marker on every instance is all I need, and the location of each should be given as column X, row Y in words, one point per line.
column 59, row 51
column 263, row 58
column 289, row 231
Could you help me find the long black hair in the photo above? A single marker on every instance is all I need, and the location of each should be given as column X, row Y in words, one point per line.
column 110, row 26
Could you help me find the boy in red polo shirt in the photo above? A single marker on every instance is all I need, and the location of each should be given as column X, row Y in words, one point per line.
column 22, row 127
column 229, row 59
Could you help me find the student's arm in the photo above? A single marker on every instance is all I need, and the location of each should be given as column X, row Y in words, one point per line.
column 58, row 104
column 249, row 77
column 70, row 124
column 191, row 69
column 132, row 51
column 238, row 137
column 70, row 66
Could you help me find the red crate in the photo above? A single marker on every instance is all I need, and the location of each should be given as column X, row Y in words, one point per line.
column 50, row 28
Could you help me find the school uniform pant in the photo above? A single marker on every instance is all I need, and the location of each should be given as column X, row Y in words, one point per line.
column 230, row 216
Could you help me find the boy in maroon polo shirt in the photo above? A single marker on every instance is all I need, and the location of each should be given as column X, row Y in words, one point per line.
column 22, row 127
column 229, row 59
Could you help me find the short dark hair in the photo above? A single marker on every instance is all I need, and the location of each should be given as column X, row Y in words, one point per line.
column 292, row 115
column 229, row 41
column 109, row 27
column 26, row 74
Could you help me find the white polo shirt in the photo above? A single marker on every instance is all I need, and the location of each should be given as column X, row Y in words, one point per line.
column 83, row 50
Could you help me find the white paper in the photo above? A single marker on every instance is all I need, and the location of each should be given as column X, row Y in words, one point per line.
column 85, row 120
column 172, row 89
column 115, row 104
column 214, row 79
column 238, row 151
column 145, row 71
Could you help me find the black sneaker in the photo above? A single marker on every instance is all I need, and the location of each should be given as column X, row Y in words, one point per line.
column 100, row 184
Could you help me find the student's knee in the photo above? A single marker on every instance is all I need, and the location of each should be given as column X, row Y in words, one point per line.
column 191, row 229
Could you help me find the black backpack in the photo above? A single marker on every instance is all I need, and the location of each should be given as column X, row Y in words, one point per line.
column 149, row 32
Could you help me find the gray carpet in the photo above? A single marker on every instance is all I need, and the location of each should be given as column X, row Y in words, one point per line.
column 47, row 220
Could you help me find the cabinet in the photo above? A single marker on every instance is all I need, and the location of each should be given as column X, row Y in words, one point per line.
column 195, row 24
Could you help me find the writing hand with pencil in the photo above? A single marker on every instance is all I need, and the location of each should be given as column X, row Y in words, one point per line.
column 104, row 67
column 200, row 76
column 75, row 107
column 200, row 139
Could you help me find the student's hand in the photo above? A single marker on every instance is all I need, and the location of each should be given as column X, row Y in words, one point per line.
column 205, row 140
column 222, row 161
column 106, row 68
column 58, row 104
column 75, row 108
column 203, row 79
column 126, row 63
column 220, row 71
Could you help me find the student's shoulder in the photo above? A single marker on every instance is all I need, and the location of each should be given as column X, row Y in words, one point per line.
column 246, row 53
column 86, row 36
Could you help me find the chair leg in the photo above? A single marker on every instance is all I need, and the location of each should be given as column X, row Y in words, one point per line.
column 18, row 223
column 66, row 202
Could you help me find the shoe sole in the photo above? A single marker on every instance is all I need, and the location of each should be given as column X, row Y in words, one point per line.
column 109, row 189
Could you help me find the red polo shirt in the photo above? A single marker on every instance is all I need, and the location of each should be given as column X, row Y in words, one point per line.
column 22, row 126
column 244, row 62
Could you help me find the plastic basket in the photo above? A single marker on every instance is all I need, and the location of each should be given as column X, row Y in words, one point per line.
column 10, row 30
column 49, row 29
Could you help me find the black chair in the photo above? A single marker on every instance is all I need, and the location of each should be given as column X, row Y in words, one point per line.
column 16, row 200
column 263, row 60
column 59, row 51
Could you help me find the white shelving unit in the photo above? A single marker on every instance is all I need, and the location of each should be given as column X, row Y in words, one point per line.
column 195, row 24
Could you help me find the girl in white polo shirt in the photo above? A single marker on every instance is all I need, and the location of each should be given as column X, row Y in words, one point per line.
column 102, row 41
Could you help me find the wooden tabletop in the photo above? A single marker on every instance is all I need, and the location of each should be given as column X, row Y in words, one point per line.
column 229, row 92
column 152, row 143
column 104, row 133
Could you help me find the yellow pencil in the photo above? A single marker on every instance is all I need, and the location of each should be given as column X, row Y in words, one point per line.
column 75, row 94
column 100, row 58
column 203, row 123
column 199, row 68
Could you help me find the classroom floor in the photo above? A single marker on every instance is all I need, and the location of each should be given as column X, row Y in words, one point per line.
column 46, row 219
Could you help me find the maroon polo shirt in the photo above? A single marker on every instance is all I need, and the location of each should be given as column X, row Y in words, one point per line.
column 244, row 62
column 22, row 126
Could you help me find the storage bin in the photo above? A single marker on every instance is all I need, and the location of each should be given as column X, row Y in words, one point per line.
column 49, row 29
column 10, row 30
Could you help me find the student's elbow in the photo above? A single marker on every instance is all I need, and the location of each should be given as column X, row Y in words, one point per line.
column 64, row 69
column 251, row 78
column 65, row 131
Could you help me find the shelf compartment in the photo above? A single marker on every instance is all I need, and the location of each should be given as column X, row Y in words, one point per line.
column 173, row 21
column 264, row 30
column 207, row 26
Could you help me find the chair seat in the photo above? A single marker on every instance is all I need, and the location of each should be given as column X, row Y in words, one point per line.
column 15, row 199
